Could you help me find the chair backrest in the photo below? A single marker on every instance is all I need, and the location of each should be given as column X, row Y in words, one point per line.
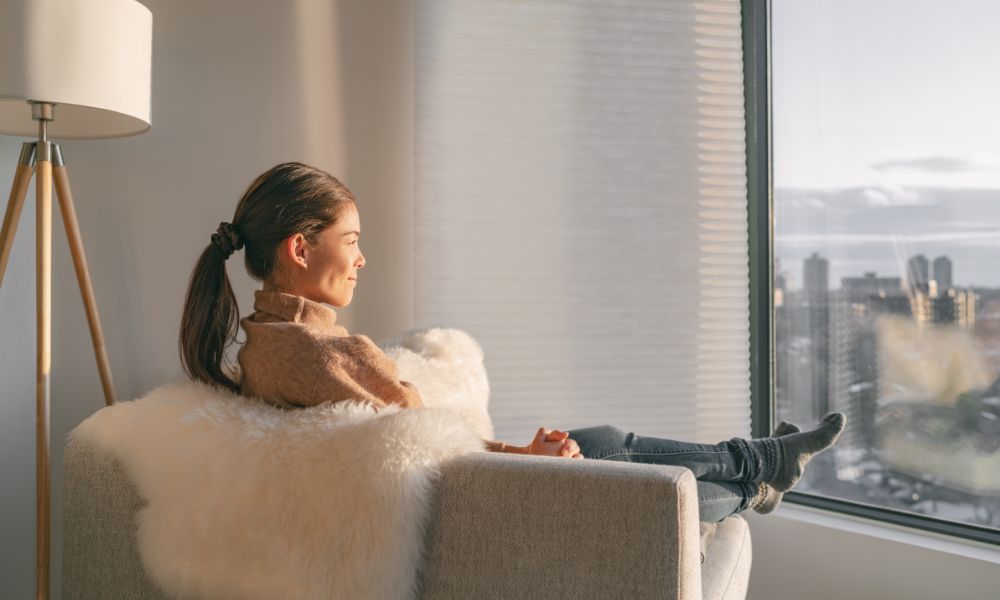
column 100, row 551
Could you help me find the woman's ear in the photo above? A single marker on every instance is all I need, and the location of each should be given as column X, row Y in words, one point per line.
column 294, row 250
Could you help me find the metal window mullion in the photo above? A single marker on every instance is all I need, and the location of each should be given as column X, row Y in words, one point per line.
column 756, row 86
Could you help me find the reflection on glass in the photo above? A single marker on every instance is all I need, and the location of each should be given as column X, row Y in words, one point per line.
column 887, row 227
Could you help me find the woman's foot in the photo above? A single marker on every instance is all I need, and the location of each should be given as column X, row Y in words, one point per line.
column 796, row 449
column 769, row 498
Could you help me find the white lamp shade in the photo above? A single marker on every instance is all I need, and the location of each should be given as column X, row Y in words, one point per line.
column 89, row 57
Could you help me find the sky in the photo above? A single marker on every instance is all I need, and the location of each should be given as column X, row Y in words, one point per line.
column 886, row 135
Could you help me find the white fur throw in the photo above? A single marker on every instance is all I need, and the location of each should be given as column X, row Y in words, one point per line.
column 249, row 501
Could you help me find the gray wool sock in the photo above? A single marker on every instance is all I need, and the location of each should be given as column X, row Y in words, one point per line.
column 796, row 449
column 769, row 498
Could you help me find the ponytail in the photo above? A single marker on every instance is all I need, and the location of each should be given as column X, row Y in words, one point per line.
column 209, row 322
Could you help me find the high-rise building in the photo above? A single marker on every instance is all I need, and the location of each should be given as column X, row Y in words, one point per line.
column 965, row 308
column 920, row 307
column 954, row 306
column 815, row 275
column 916, row 273
column 816, row 313
column 943, row 308
column 854, row 359
column 942, row 274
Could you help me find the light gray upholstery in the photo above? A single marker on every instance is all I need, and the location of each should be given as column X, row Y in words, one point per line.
column 100, row 555
column 726, row 570
column 502, row 526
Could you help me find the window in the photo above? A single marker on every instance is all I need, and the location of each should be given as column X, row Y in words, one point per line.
column 886, row 231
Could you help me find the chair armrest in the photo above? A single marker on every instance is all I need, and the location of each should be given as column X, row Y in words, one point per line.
column 514, row 526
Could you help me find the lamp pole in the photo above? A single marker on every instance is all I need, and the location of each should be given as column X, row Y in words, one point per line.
column 42, row 112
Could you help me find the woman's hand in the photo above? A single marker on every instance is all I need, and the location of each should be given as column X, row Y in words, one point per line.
column 556, row 443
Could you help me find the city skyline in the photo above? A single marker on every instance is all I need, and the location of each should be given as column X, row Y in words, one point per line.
column 869, row 229
column 939, row 269
column 921, row 269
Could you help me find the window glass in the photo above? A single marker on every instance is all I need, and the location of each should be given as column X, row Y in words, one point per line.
column 886, row 174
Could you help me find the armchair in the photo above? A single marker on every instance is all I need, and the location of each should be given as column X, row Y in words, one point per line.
column 501, row 526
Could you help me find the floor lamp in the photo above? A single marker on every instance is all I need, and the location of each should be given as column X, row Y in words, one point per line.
column 73, row 69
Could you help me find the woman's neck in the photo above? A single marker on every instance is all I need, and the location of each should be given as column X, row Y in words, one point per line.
column 272, row 286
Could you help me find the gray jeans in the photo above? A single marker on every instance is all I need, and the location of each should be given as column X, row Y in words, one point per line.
column 728, row 473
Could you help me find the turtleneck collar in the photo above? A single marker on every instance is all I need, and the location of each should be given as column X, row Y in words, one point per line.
column 296, row 309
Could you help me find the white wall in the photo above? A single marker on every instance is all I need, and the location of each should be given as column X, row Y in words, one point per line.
column 800, row 553
column 238, row 86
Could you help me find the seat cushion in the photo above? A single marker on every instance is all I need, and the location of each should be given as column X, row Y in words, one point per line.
column 725, row 574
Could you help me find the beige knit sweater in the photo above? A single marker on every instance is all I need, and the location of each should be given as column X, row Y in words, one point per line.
column 295, row 354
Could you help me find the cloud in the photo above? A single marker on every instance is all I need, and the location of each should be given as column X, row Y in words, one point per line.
column 858, row 230
column 981, row 238
column 853, row 199
column 895, row 196
column 931, row 164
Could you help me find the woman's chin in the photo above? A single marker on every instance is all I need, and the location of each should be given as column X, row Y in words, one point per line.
column 342, row 301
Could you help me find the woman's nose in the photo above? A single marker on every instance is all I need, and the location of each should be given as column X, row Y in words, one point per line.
column 361, row 260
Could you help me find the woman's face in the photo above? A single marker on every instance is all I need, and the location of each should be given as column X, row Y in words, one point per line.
column 327, row 272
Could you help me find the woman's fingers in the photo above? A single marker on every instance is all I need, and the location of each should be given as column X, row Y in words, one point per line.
column 556, row 443
column 549, row 449
column 556, row 436
column 569, row 449
column 540, row 444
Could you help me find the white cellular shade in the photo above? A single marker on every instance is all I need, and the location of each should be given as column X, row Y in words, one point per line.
column 90, row 57
column 581, row 209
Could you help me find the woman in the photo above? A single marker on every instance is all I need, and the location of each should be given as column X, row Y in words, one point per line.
column 300, row 228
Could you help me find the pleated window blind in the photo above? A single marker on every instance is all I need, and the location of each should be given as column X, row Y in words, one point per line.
column 581, row 209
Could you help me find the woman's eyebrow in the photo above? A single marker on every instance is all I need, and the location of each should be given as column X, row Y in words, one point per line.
column 357, row 233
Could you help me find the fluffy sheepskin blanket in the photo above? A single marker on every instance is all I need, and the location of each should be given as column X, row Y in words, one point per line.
column 249, row 501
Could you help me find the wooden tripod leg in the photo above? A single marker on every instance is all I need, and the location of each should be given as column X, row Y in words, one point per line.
column 22, row 177
column 43, row 304
column 83, row 278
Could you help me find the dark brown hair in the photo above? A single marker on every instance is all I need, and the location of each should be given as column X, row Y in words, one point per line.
column 289, row 198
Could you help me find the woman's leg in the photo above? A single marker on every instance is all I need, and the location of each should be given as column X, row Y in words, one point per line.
column 716, row 499
column 736, row 460
column 777, row 461
column 719, row 499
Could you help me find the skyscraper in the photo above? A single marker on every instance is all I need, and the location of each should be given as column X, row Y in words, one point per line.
column 854, row 350
column 916, row 273
column 816, row 307
column 815, row 276
column 942, row 273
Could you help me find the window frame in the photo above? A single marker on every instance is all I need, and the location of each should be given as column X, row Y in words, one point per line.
column 756, row 25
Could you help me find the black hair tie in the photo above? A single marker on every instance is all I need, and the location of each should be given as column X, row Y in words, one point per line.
column 226, row 238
